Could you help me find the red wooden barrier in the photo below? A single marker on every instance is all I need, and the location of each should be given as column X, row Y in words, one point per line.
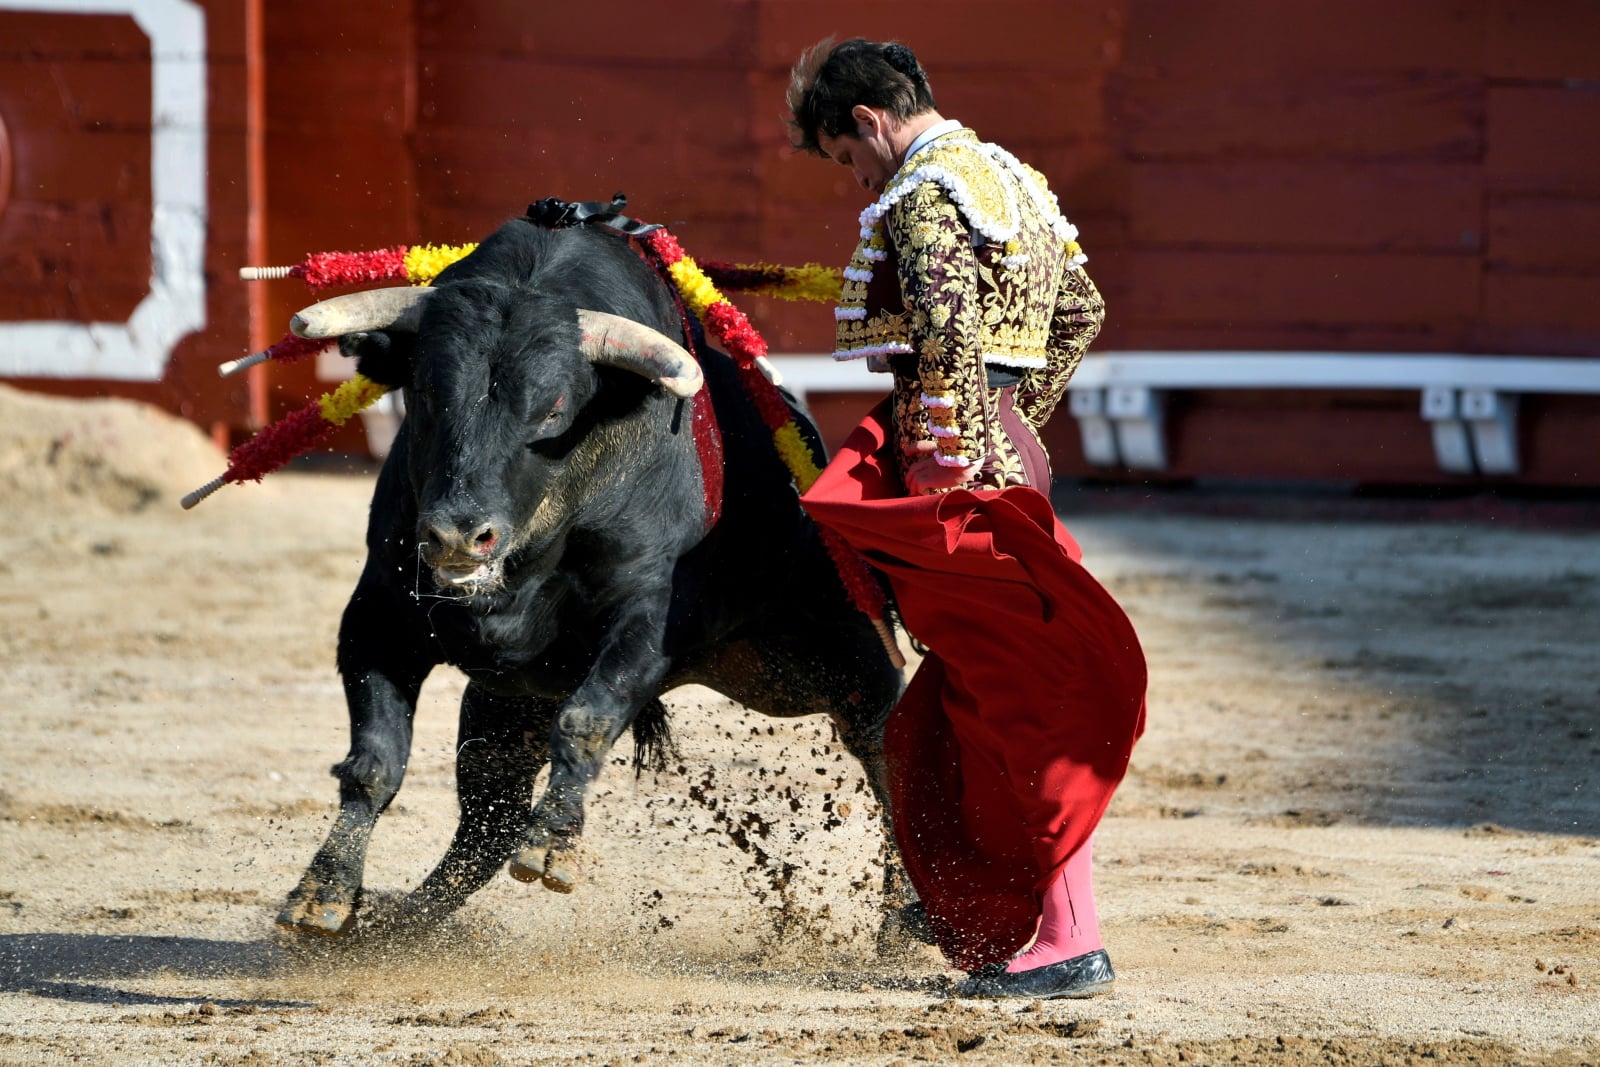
column 1246, row 174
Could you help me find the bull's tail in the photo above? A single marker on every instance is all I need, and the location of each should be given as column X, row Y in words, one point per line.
column 653, row 746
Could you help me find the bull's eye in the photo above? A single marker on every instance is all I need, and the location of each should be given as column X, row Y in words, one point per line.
column 547, row 429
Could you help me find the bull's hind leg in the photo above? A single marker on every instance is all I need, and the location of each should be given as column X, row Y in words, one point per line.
column 502, row 743
column 841, row 670
column 623, row 681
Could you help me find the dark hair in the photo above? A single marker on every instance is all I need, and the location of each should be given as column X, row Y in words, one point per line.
column 830, row 79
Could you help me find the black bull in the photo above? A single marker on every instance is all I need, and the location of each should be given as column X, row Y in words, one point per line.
column 541, row 524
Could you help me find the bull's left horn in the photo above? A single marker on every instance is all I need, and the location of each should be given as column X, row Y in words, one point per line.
column 619, row 342
column 397, row 309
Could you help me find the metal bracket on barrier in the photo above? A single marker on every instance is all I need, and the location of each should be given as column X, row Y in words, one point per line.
column 1121, row 425
column 1474, row 430
column 1138, row 412
column 1492, row 420
column 1451, row 446
column 1088, row 406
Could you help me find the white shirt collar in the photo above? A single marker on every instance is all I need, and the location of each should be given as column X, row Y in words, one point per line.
column 927, row 136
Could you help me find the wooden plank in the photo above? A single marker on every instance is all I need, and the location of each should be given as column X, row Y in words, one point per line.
column 1544, row 233
column 1307, row 205
column 227, row 93
column 1088, row 178
column 514, row 97
column 1250, row 37
column 345, row 192
column 809, row 184
column 766, row 102
column 64, row 299
column 1365, row 437
column 335, row 33
column 790, row 235
column 1553, row 40
column 688, row 31
column 1125, row 331
column 460, row 223
column 371, row 94
column 36, row 35
column 1557, row 436
column 791, row 326
column 1369, row 437
column 1543, row 139
column 225, row 30
column 1062, row 106
column 1325, row 289
column 1065, row 113
column 1056, row 35
column 1539, row 314
column 664, row 181
column 81, row 245
column 1328, row 117
column 54, row 166
column 231, row 197
column 82, row 94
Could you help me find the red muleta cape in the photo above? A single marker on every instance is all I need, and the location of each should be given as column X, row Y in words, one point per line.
column 1006, row 746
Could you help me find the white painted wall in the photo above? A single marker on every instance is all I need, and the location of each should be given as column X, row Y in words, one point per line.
column 175, row 306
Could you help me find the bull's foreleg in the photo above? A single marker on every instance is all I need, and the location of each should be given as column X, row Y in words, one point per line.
column 501, row 745
column 626, row 675
column 381, row 682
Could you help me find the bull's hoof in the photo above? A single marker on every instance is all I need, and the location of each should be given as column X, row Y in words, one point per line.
column 323, row 919
column 561, row 872
column 528, row 865
column 557, row 870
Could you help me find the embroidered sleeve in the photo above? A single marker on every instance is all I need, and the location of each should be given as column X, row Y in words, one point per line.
column 1079, row 313
column 939, row 283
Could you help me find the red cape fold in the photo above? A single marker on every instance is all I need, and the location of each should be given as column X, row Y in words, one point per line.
column 1017, row 727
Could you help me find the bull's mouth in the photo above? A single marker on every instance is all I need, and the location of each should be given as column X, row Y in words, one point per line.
column 468, row 576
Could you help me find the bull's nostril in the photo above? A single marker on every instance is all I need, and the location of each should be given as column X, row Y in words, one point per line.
column 483, row 541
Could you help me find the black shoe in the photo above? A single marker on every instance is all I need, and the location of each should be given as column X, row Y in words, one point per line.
column 1081, row 976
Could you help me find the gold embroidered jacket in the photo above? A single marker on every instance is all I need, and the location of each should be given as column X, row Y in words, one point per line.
column 966, row 262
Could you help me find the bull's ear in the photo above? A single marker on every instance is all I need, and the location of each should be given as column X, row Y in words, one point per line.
column 384, row 357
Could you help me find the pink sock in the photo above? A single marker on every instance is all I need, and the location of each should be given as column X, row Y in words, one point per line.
column 1068, row 927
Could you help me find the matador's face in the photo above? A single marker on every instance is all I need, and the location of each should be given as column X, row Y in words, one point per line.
column 869, row 153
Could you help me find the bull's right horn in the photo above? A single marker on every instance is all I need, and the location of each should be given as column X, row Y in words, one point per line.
column 397, row 309
column 619, row 342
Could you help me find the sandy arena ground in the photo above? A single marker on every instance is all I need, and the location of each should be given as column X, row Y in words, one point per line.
column 1363, row 828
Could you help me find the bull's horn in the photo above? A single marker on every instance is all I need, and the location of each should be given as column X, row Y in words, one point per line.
column 397, row 309
column 619, row 342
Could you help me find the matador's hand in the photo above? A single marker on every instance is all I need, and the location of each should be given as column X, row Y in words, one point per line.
column 928, row 475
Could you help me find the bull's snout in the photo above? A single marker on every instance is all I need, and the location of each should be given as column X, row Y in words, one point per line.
column 443, row 539
column 461, row 552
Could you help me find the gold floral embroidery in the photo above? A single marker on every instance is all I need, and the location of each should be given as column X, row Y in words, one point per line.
column 1015, row 297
